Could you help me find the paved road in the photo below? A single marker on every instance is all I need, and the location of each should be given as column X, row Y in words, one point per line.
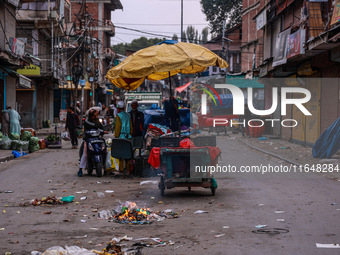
column 241, row 202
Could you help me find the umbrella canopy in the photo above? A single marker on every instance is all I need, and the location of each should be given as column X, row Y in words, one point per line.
column 161, row 61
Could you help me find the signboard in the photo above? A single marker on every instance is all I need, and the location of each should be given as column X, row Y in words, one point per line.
column 62, row 115
column 261, row 20
column 295, row 43
column 31, row 70
column 23, row 81
column 280, row 50
column 82, row 83
column 336, row 13
column 17, row 46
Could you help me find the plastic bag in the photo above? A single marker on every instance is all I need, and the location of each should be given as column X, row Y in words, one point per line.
column 34, row 141
column 33, row 148
column 108, row 164
column 25, row 145
column 6, row 143
column 186, row 143
column 68, row 250
column 65, row 136
column 14, row 136
column 14, row 144
column 26, row 136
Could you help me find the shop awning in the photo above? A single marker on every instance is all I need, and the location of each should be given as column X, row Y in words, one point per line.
column 70, row 85
column 241, row 82
column 23, row 80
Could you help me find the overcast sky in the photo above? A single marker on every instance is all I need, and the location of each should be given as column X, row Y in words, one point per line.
column 161, row 17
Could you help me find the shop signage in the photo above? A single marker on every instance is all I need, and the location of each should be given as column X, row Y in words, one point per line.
column 31, row 70
column 296, row 42
column 280, row 50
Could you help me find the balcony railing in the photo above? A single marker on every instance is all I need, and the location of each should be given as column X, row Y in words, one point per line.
column 109, row 28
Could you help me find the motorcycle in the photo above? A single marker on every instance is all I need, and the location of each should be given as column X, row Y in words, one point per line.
column 96, row 151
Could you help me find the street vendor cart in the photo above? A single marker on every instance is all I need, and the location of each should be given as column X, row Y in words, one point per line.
column 185, row 167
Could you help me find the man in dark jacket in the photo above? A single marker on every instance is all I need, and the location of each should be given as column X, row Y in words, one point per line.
column 137, row 120
column 72, row 122
column 91, row 122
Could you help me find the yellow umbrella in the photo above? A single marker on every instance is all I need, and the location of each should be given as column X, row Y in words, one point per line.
column 162, row 60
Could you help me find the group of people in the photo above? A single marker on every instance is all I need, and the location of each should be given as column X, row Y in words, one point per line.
column 126, row 125
column 10, row 122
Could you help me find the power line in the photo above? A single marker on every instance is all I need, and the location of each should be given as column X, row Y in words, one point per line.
column 132, row 24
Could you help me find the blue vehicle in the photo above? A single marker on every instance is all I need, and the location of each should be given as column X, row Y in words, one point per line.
column 96, row 151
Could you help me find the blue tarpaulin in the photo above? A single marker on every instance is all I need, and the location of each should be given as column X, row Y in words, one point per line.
column 329, row 142
column 227, row 101
column 158, row 117
column 153, row 116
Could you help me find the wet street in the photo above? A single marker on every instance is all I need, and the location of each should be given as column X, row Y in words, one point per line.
column 304, row 208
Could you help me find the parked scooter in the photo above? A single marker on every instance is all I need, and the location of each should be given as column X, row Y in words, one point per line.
column 96, row 151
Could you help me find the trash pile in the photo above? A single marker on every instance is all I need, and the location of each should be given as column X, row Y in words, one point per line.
column 113, row 247
column 52, row 200
column 129, row 213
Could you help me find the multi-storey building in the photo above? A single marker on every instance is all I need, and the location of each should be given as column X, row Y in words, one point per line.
column 296, row 39
column 41, row 25
column 94, row 16
column 12, row 56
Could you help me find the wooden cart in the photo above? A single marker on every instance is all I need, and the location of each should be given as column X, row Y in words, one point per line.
column 180, row 167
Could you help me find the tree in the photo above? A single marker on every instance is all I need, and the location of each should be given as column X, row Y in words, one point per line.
column 184, row 38
column 175, row 37
column 191, row 34
column 135, row 45
column 205, row 33
column 216, row 11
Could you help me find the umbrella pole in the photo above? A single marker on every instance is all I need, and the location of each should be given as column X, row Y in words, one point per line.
column 170, row 85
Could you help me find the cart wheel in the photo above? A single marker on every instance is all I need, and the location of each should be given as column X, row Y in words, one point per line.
column 209, row 130
column 226, row 131
column 189, row 188
column 161, row 186
column 213, row 190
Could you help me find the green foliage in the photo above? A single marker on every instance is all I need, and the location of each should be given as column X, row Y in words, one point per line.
column 191, row 34
column 135, row 45
column 218, row 10
column 205, row 33
column 184, row 37
column 175, row 37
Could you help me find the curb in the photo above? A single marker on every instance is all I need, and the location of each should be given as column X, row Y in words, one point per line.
column 6, row 158
column 270, row 153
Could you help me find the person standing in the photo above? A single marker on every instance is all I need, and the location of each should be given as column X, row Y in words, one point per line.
column 5, row 122
column 171, row 113
column 78, row 108
column 14, row 120
column 123, row 129
column 137, row 121
column 123, row 126
column 72, row 122
column 246, row 117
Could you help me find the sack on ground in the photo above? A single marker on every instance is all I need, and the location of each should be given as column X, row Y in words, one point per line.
column 26, row 136
column 14, row 136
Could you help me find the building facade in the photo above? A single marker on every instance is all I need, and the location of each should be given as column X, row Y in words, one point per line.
column 295, row 43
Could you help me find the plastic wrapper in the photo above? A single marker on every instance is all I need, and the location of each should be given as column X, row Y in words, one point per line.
column 34, row 141
column 68, row 250
column 14, row 136
column 26, row 136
